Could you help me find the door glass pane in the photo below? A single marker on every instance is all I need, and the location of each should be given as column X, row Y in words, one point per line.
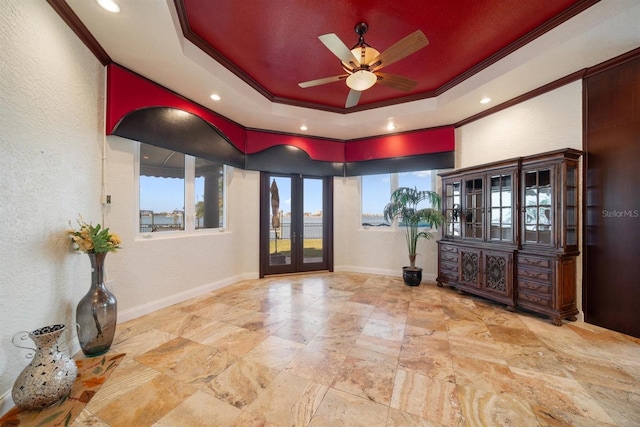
column 312, row 226
column 280, row 221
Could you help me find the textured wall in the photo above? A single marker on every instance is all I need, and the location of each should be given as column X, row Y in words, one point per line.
column 159, row 269
column 548, row 122
column 50, row 143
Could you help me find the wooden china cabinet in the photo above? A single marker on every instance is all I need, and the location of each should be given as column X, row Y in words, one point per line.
column 511, row 232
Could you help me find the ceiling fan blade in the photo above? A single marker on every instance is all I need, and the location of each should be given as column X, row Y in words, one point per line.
column 323, row 81
column 352, row 98
column 339, row 49
column 401, row 49
column 394, row 81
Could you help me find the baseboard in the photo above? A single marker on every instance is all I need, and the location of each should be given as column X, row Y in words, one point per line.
column 6, row 403
column 156, row 305
column 366, row 270
column 379, row 272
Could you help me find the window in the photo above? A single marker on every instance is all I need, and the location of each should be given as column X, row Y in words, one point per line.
column 167, row 179
column 376, row 192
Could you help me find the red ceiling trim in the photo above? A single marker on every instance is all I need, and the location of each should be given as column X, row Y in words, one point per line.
column 127, row 92
column 317, row 148
column 71, row 19
column 426, row 141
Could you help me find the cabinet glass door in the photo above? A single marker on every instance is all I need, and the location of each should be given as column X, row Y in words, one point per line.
column 474, row 209
column 452, row 209
column 571, row 197
column 501, row 208
column 538, row 207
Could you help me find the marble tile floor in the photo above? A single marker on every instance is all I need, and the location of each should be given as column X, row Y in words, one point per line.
column 341, row 349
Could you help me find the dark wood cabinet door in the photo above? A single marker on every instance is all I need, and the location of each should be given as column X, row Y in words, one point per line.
column 611, row 293
column 498, row 273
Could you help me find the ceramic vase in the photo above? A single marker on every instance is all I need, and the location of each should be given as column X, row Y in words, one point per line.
column 50, row 375
column 412, row 276
column 96, row 313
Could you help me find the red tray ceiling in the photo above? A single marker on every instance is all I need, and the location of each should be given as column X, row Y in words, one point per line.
column 273, row 45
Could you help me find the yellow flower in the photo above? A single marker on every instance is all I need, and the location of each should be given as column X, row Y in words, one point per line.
column 115, row 239
column 94, row 239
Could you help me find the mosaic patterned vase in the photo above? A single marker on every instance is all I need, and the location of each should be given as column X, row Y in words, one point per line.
column 50, row 375
column 96, row 313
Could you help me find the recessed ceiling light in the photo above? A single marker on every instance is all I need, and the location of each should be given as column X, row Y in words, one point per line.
column 485, row 100
column 390, row 126
column 215, row 97
column 109, row 5
column 303, row 127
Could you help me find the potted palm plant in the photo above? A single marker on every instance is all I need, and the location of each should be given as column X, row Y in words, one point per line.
column 403, row 208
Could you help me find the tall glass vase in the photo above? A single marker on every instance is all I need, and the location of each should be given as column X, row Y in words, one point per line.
column 96, row 313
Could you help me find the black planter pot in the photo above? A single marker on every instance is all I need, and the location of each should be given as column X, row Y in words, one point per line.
column 412, row 276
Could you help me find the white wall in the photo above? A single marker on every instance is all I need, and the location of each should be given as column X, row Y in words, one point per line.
column 51, row 110
column 159, row 269
column 548, row 122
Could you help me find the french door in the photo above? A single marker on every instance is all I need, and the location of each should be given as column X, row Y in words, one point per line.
column 296, row 223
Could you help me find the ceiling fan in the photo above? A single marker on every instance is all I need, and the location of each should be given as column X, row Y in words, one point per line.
column 362, row 63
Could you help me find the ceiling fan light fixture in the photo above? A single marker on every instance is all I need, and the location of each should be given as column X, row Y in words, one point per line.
column 369, row 54
column 361, row 80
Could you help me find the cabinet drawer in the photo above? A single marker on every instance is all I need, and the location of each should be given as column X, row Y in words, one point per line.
column 451, row 275
column 526, row 260
column 539, row 288
column 449, row 267
column 449, row 248
column 530, row 273
column 534, row 298
column 448, row 256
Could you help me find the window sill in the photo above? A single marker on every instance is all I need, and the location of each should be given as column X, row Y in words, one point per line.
column 167, row 235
